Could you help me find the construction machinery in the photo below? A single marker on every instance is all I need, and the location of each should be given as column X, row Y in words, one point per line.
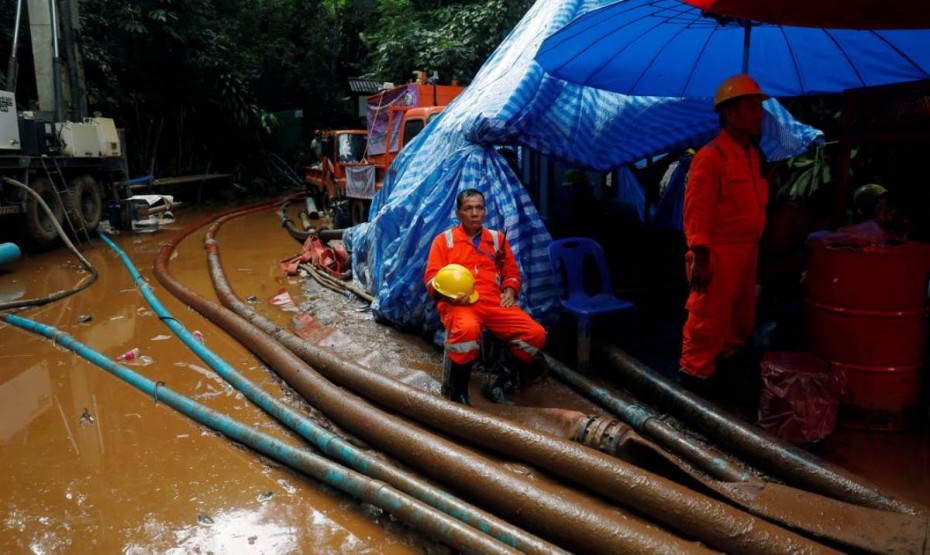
column 334, row 149
column 353, row 163
column 67, row 158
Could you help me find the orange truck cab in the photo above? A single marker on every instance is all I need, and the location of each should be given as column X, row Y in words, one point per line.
column 335, row 149
column 353, row 163
column 392, row 124
column 395, row 117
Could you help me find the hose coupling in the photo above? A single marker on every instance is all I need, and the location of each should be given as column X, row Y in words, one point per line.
column 601, row 432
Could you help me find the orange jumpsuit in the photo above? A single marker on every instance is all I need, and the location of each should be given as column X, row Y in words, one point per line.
column 495, row 268
column 724, row 211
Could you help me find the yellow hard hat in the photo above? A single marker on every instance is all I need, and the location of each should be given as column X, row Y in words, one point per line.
column 867, row 194
column 454, row 279
column 737, row 86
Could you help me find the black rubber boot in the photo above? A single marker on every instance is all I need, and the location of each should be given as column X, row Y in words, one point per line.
column 699, row 386
column 455, row 379
column 501, row 383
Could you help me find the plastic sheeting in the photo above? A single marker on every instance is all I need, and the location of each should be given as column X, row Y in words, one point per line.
column 378, row 114
column 800, row 397
column 360, row 181
column 669, row 211
column 512, row 101
column 630, row 193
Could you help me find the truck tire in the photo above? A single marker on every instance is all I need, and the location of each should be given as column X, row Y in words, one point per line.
column 39, row 227
column 86, row 203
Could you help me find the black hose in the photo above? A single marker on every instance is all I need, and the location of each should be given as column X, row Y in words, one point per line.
column 82, row 285
column 301, row 236
column 298, row 235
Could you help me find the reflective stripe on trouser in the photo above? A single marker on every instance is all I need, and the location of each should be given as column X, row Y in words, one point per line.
column 464, row 323
column 721, row 319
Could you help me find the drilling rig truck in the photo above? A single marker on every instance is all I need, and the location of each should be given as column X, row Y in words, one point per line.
column 68, row 159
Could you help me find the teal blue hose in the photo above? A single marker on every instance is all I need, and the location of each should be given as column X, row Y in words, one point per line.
column 333, row 445
column 411, row 511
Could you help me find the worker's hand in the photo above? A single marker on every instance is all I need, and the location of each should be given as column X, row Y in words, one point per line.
column 461, row 298
column 508, row 298
column 701, row 272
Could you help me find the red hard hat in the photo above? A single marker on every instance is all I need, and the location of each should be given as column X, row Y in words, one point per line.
column 737, row 86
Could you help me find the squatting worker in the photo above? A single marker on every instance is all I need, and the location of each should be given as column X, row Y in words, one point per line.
column 486, row 256
column 724, row 216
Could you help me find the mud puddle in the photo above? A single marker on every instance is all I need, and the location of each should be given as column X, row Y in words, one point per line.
column 90, row 464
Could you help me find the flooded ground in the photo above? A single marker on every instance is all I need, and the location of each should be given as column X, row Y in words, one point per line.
column 89, row 464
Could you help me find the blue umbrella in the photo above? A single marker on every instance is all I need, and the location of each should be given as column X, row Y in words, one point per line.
column 669, row 48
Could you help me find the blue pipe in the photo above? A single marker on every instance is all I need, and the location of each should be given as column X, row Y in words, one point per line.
column 411, row 511
column 141, row 180
column 333, row 445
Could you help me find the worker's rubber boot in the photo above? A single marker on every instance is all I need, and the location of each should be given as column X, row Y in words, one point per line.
column 455, row 379
column 702, row 387
column 502, row 381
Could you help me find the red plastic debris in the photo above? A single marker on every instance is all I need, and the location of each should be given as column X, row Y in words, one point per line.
column 800, row 396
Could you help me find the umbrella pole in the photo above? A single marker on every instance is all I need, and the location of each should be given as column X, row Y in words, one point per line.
column 747, row 33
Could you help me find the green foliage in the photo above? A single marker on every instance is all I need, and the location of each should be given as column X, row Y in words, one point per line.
column 451, row 38
column 195, row 83
column 806, row 175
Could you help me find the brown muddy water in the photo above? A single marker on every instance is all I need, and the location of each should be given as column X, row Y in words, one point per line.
column 90, row 464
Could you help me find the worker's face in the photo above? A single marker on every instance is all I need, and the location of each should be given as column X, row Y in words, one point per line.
column 745, row 116
column 471, row 213
column 884, row 212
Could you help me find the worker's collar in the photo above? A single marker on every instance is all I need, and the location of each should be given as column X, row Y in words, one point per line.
column 472, row 235
column 738, row 139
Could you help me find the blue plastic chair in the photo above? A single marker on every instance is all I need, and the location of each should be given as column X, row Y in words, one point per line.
column 568, row 258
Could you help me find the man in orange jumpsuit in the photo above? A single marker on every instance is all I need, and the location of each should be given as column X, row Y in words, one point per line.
column 724, row 215
column 487, row 255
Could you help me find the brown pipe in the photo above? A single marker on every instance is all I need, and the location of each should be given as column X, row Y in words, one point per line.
column 755, row 445
column 581, row 522
column 711, row 521
column 650, row 424
column 854, row 526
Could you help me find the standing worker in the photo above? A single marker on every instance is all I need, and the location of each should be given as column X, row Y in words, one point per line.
column 724, row 216
column 473, row 276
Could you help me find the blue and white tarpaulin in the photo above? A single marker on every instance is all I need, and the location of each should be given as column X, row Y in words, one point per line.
column 512, row 101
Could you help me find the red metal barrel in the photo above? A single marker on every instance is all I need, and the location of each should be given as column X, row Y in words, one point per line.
column 866, row 312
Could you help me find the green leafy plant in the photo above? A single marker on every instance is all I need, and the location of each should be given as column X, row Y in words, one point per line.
column 808, row 173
